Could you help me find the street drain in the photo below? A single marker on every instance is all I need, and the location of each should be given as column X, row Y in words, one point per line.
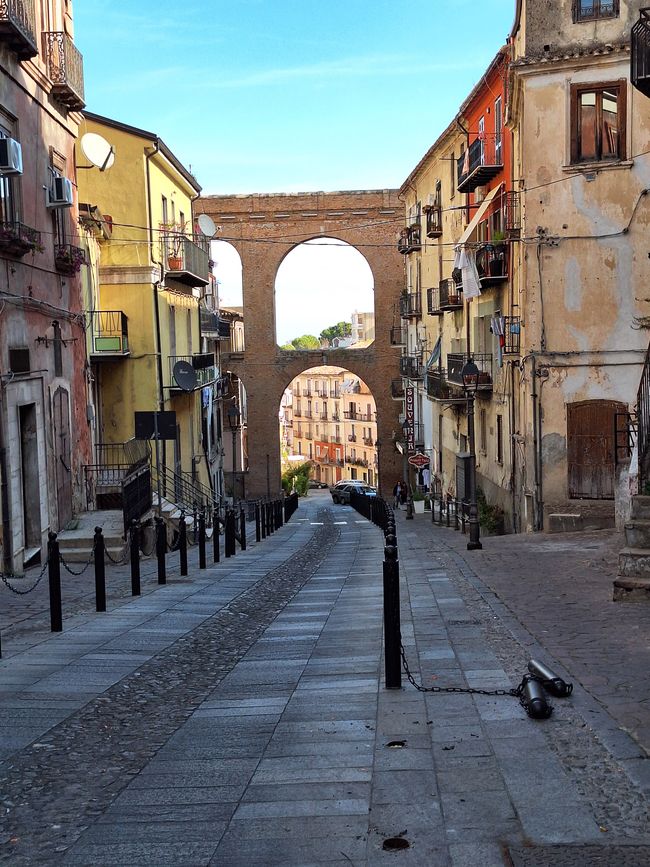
column 396, row 745
column 395, row 844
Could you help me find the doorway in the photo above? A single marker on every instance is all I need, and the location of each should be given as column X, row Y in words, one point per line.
column 590, row 448
column 62, row 455
column 30, row 476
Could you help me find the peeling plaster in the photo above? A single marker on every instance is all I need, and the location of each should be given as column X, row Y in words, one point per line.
column 572, row 285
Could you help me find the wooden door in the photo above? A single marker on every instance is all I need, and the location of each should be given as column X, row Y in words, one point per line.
column 590, row 448
column 62, row 455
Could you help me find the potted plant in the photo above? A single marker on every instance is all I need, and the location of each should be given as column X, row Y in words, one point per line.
column 172, row 236
column 497, row 252
column 69, row 258
column 418, row 502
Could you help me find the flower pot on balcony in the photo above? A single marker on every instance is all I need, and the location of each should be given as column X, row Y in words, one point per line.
column 175, row 263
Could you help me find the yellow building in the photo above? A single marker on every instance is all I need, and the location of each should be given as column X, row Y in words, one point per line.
column 145, row 317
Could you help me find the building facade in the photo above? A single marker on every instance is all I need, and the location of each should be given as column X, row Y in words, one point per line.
column 45, row 417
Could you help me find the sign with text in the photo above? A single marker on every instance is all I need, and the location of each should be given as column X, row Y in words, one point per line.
column 409, row 409
column 419, row 460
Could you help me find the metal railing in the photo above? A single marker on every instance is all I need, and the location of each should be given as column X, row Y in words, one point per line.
column 120, row 478
column 109, row 332
column 643, row 417
column 18, row 27
column 203, row 365
column 483, row 161
column 626, row 430
column 438, row 387
column 398, row 336
column 512, row 335
column 456, row 362
column 512, row 212
column 65, row 69
column 492, row 263
column 187, row 259
column 434, row 222
column 433, row 302
column 18, row 239
column 410, row 305
column 410, row 366
column 451, row 294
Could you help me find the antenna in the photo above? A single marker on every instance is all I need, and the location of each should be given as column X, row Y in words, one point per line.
column 184, row 376
column 206, row 225
column 97, row 151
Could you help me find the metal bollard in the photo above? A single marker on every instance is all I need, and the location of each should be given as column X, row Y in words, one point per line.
column 447, row 509
column 215, row 537
column 100, row 571
column 135, row 558
column 201, row 539
column 182, row 543
column 228, row 546
column 456, row 525
column 242, row 528
column 54, row 578
column 161, row 549
column 550, row 680
column 258, row 523
column 533, row 698
column 263, row 520
column 392, row 628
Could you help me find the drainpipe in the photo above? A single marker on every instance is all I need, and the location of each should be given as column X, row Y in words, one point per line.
column 537, row 455
column 513, row 448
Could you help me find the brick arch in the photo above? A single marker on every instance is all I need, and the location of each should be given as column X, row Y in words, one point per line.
column 264, row 229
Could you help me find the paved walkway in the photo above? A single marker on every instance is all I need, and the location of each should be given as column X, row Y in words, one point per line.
column 239, row 718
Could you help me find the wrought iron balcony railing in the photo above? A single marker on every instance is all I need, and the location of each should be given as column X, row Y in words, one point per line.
column 456, row 362
column 410, row 239
column 512, row 335
column 65, row 69
column 438, row 388
column 451, row 295
column 18, row 27
column 512, row 213
column 204, row 368
column 212, row 325
column 16, row 239
column 433, row 302
column 109, row 331
column 434, row 222
column 410, row 367
column 481, row 162
column 640, row 63
column 492, row 263
column 398, row 336
column 187, row 260
column 410, row 305
column 68, row 259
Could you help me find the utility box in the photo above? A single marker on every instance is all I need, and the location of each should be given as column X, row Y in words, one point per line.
column 462, row 476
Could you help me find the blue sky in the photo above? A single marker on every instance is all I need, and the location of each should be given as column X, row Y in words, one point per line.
column 283, row 95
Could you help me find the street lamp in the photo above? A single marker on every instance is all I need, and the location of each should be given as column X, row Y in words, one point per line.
column 233, row 422
column 470, row 374
column 406, row 427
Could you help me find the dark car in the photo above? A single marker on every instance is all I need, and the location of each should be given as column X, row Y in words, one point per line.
column 314, row 483
column 341, row 492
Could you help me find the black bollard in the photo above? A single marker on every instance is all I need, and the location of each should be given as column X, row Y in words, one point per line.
column 100, row 571
column 258, row 523
column 392, row 628
column 182, row 543
column 161, row 549
column 215, row 537
column 135, row 558
column 229, row 534
column 242, row 529
column 533, row 698
column 54, row 578
column 263, row 520
column 550, row 680
column 201, row 539
column 281, row 520
column 447, row 506
column 456, row 524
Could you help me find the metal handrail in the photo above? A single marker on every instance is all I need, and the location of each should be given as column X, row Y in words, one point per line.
column 643, row 417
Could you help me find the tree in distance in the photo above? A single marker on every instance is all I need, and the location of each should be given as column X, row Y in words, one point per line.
column 341, row 329
column 307, row 341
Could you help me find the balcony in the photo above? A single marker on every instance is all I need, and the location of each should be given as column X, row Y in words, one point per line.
column 68, row 259
column 410, row 239
column 308, row 413
column 188, row 262
column 17, row 239
column 352, row 438
column 323, row 438
column 397, row 389
column 456, row 362
column 410, row 305
column 65, row 69
column 324, row 416
column 357, row 462
column 204, row 368
column 512, row 335
column 451, row 295
column 368, row 441
column 18, row 27
column 434, row 222
column 492, row 264
column 352, row 415
column 297, row 411
column 410, row 367
column 109, row 332
column 308, row 435
column 398, row 336
column 438, row 388
column 482, row 163
column 213, row 326
column 512, row 213
column 433, row 302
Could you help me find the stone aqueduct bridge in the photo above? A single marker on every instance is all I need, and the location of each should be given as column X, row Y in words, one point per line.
column 264, row 228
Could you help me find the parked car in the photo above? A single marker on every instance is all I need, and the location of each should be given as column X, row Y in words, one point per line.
column 348, row 482
column 341, row 491
column 314, row 483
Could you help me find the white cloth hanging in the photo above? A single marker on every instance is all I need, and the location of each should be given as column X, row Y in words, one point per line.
column 465, row 261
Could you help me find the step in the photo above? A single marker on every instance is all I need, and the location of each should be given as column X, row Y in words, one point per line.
column 637, row 534
column 634, row 563
column 82, row 555
column 641, row 507
column 631, row 589
column 70, row 543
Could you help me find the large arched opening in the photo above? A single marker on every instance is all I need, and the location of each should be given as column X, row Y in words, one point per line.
column 324, row 297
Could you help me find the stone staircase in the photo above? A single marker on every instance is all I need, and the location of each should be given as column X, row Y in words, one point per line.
column 171, row 515
column 632, row 583
column 76, row 541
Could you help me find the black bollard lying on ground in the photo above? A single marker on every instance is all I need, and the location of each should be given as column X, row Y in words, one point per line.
column 550, row 680
column 392, row 626
column 100, row 570
column 533, row 698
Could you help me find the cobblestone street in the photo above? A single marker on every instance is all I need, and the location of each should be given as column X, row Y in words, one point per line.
column 238, row 716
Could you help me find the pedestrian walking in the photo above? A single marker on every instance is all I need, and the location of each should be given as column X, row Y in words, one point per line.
column 397, row 495
column 403, row 493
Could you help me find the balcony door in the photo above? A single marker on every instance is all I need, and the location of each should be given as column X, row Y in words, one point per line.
column 63, row 455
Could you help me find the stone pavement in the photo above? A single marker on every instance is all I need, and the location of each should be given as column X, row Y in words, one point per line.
column 238, row 717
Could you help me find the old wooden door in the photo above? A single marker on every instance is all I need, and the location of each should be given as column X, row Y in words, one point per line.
column 590, row 448
column 62, row 455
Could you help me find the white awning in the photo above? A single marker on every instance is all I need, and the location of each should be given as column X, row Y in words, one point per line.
column 476, row 219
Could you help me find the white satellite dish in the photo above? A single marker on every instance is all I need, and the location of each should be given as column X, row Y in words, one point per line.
column 98, row 151
column 206, row 225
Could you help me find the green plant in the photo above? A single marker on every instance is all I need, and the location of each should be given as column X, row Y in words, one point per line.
column 297, row 479
column 418, row 495
column 490, row 517
column 498, row 237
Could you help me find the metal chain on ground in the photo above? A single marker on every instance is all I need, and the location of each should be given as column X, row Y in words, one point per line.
column 6, row 580
column 471, row 690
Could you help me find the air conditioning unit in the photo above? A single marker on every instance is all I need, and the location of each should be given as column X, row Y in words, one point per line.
column 11, row 157
column 479, row 195
column 60, row 194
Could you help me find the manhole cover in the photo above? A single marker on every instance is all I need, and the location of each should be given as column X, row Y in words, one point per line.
column 395, row 844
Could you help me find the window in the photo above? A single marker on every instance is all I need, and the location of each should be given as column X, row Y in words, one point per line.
column 8, row 185
column 452, row 174
column 598, row 122
column 587, row 10
column 482, row 427
column 500, row 439
column 498, row 131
